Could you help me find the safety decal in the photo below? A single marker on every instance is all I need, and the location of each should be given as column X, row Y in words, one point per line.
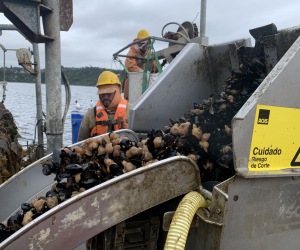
column 275, row 141
column 296, row 160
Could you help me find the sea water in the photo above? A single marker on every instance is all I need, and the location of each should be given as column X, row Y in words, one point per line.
column 21, row 102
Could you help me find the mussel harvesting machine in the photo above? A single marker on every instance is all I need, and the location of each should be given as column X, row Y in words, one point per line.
column 256, row 208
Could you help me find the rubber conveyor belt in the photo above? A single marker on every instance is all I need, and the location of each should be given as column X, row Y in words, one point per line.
column 79, row 218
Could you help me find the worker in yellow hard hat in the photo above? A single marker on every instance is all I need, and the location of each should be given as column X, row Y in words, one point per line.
column 109, row 114
column 135, row 60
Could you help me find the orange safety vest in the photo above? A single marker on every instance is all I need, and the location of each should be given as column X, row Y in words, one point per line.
column 102, row 120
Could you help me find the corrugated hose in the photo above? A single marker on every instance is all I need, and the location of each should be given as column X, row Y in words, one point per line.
column 182, row 219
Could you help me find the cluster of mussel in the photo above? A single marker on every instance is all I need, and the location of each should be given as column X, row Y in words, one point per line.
column 10, row 149
column 203, row 134
column 213, row 119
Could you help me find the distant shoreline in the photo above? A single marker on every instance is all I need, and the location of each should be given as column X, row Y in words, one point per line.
column 85, row 76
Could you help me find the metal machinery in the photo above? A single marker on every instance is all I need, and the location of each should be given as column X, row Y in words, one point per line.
column 101, row 207
column 258, row 208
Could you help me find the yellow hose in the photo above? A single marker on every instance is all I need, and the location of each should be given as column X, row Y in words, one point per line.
column 182, row 219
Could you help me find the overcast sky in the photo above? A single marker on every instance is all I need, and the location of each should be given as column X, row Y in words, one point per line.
column 101, row 28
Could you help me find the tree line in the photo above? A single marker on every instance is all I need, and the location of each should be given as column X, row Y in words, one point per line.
column 85, row 76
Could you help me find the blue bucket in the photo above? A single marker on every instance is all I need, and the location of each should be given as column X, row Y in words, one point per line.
column 76, row 118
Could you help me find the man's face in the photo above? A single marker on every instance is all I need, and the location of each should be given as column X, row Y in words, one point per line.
column 143, row 47
column 106, row 98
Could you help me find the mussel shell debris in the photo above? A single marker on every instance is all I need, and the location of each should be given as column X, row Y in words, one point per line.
column 203, row 134
column 74, row 169
column 26, row 207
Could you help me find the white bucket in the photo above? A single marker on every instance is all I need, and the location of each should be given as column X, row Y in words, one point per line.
column 135, row 81
column 152, row 79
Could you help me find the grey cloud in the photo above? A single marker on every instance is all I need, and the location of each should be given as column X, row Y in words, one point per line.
column 100, row 28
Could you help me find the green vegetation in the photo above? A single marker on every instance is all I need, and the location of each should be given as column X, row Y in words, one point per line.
column 86, row 76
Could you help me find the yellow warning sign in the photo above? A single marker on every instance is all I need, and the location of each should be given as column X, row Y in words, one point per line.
column 276, row 139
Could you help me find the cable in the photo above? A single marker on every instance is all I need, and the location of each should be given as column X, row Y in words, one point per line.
column 68, row 96
column 125, row 68
column 113, row 62
column 195, row 17
column 159, row 67
column 187, row 37
column 35, row 128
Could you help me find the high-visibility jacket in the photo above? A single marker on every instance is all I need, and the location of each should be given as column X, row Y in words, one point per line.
column 136, row 62
column 102, row 120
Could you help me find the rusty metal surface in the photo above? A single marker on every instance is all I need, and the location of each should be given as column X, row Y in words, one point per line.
column 216, row 211
column 54, row 128
column 93, row 211
column 66, row 14
column 26, row 17
column 262, row 213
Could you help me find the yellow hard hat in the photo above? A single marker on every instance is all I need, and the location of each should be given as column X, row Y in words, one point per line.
column 106, row 78
column 142, row 34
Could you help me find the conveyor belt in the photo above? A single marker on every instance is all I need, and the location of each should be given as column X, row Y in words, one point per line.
column 74, row 221
column 30, row 182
